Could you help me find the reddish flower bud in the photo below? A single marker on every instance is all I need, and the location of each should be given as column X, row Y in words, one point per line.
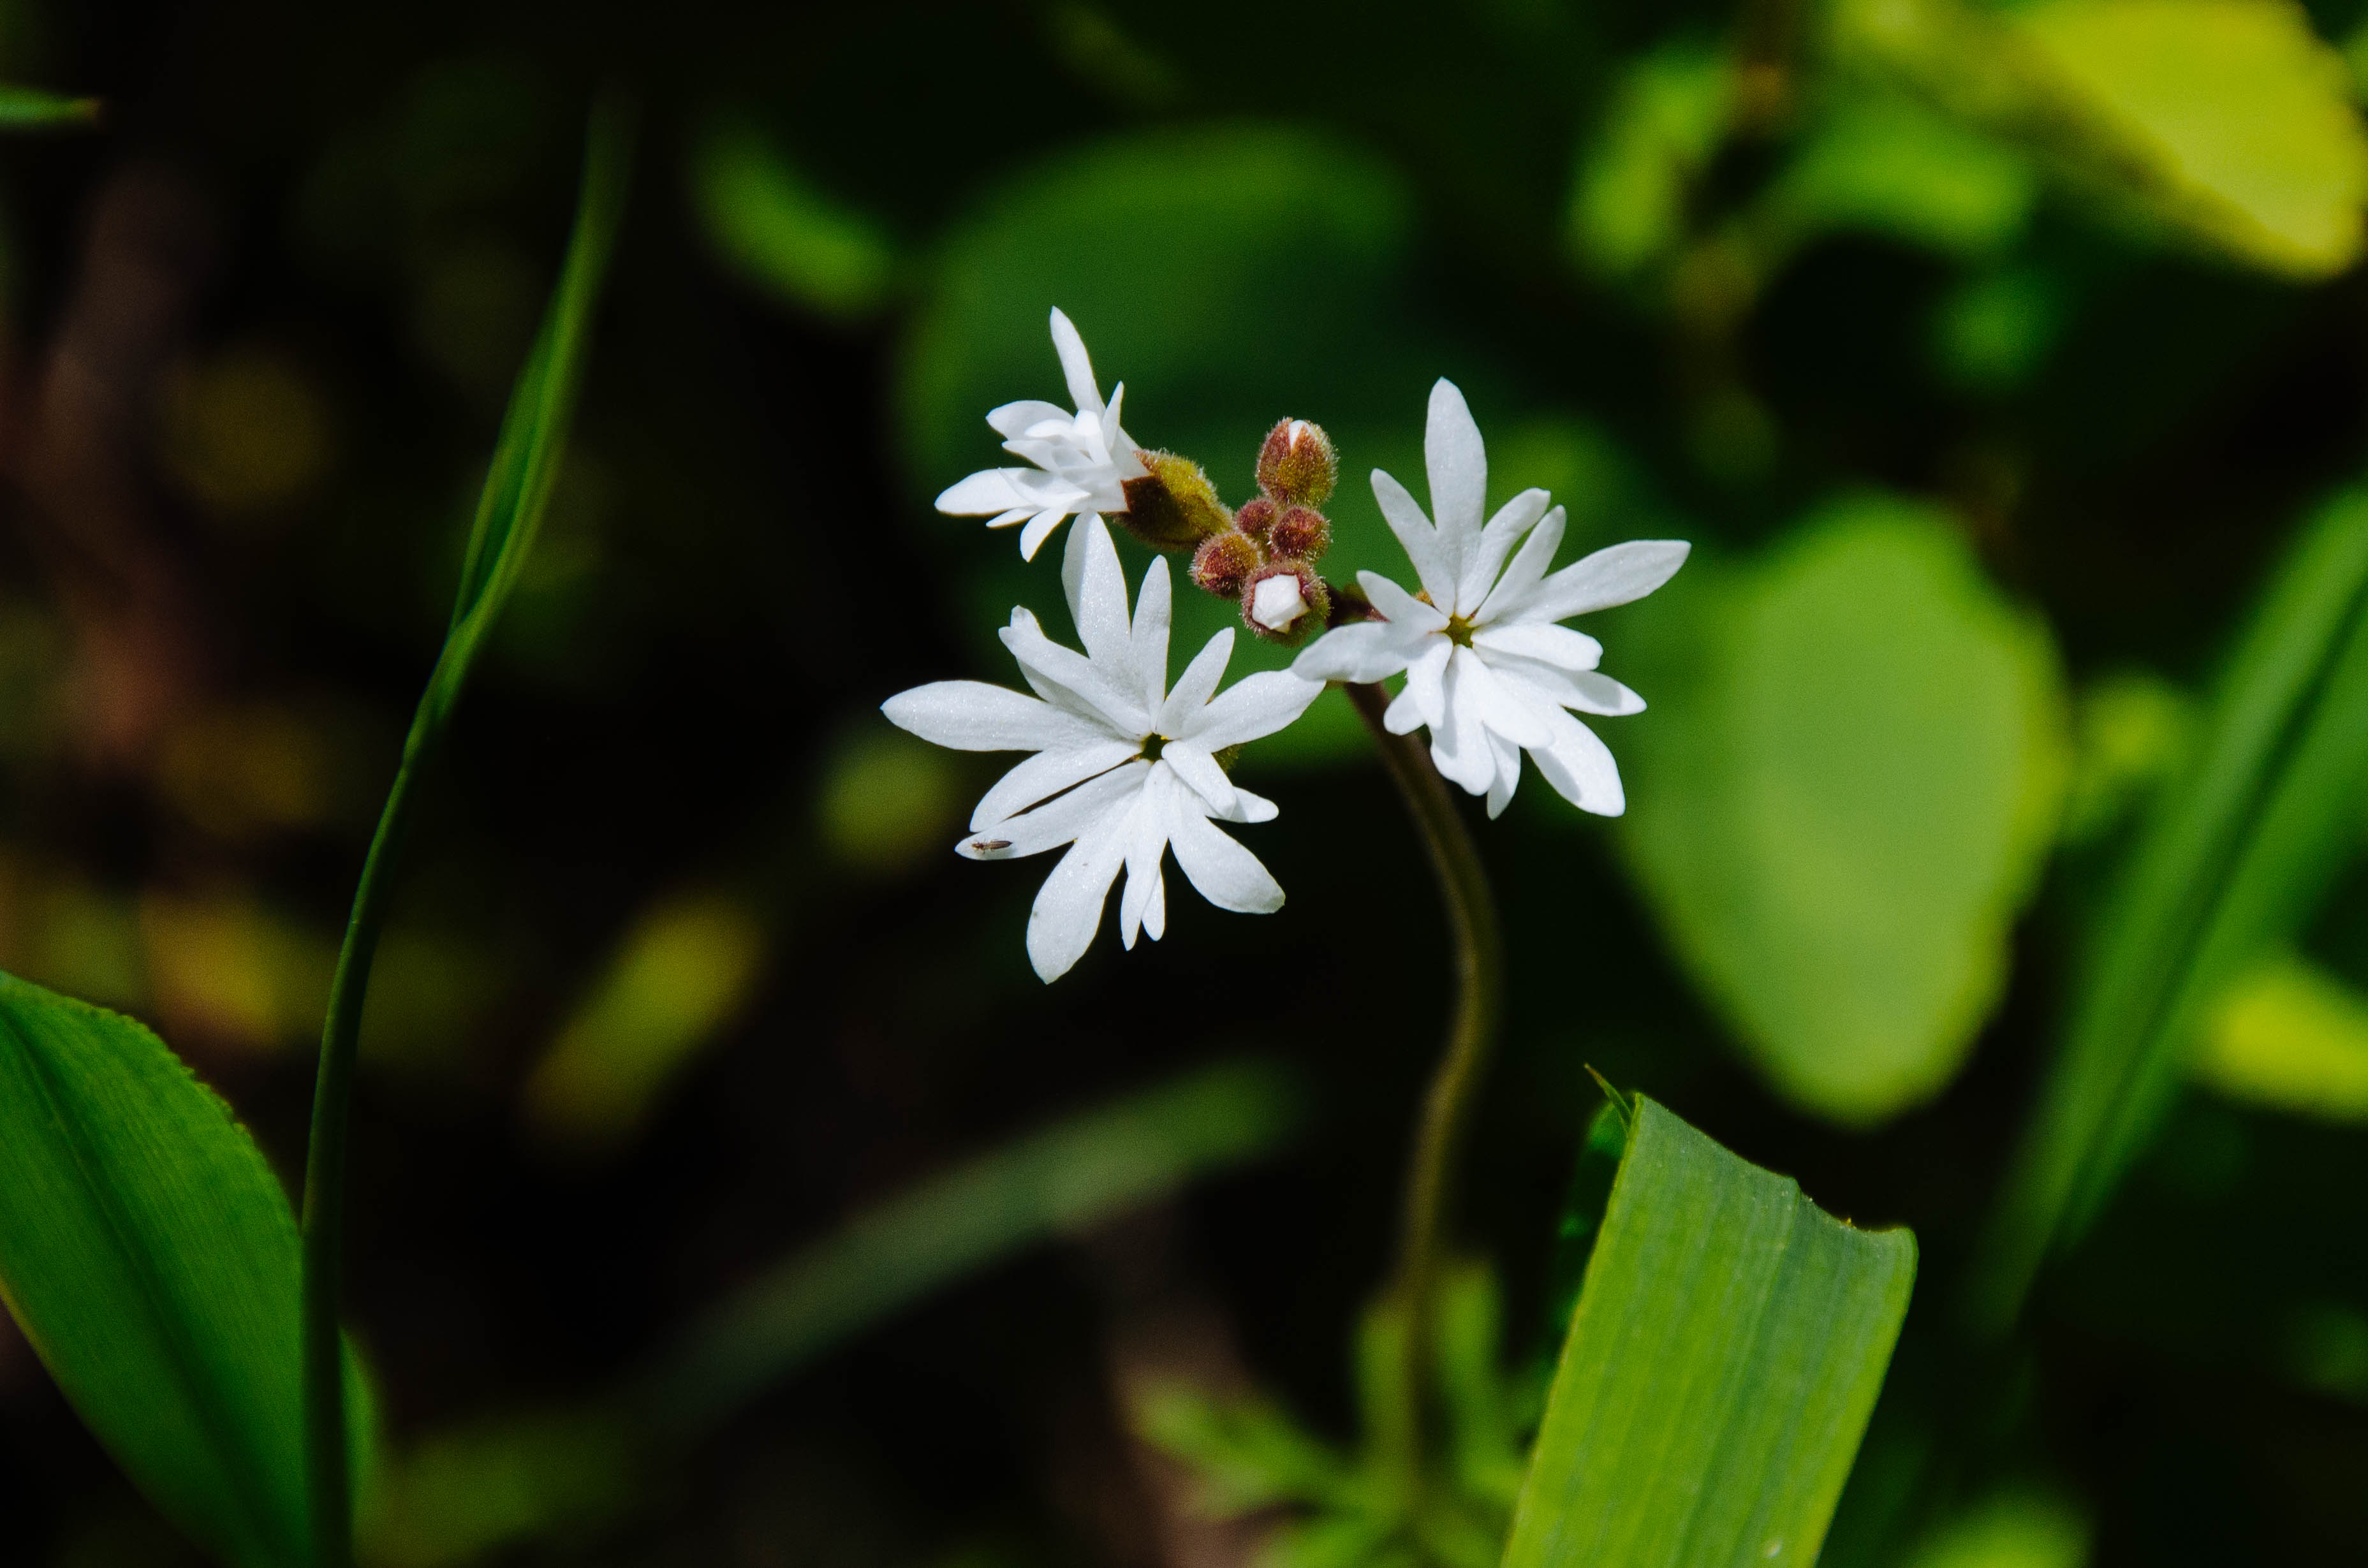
column 1286, row 602
column 1297, row 463
column 1255, row 517
column 1300, row 534
column 1224, row 561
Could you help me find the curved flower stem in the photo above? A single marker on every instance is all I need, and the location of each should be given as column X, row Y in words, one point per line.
column 1479, row 944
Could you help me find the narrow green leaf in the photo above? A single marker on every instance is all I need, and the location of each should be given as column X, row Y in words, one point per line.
column 2291, row 1037
column 1069, row 1176
column 29, row 108
column 771, row 222
column 1727, row 1350
column 2237, row 853
column 151, row 1257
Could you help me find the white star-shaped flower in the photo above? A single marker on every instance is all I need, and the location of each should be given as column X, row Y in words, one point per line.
column 1125, row 770
column 1486, row 667
column 1083, row 460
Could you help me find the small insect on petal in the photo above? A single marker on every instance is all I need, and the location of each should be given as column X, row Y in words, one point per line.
column 990, row 846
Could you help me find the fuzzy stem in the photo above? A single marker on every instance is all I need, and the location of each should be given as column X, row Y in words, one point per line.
column 1479, row 945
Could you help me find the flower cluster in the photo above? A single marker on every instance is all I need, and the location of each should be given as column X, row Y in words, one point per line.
column 1125, row 770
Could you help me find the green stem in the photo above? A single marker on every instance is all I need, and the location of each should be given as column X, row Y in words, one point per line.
column 327, row 1468
column 1479, row 948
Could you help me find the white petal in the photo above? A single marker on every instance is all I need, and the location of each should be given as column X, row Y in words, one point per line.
column 1542, row 640
column 1039, row 528
column 969, row 715
column 1097, row 603
column 1426, row 681
column 1197, row 684
column 1012, row 519
column 1069, row 905
column 1605, row 696
column 1058, row 820
column 1079, row 678
column 1399, row 607
column 1258, row 705
column 1614, row 575
column 1146, row 842
column 1014, row 418
column 1248, row 807
column 1416, row 535
column 1404, row 715
column 1198, row 769
column 1458, row 461
column 1528, row 570
column 1494, row 704
column 1580, row 769
column 1155, row 908
column 1226, row 874
column 1459, row 742
column 1362, row 651
column 1006, row 489
column 1045, row 775
column 1509, row 775
column 1482, row 561
column 1154, row 609
column 1075, row 366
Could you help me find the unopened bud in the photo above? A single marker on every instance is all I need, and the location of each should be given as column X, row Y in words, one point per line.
column 1297, row 463
column 1285, row 601
column 1173, row 506
column 1224, row 561
column 1300, row 534
column 1255, row 517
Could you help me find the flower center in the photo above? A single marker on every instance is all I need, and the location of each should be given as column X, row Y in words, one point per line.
column 1152, row 746
column 1458, row 630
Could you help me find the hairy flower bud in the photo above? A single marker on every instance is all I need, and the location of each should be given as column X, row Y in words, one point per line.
column 1224, row 561
column 1255, row 517
column 1285, row 602
column 1297, row 463
column 1300, row 534
column 1173, row 506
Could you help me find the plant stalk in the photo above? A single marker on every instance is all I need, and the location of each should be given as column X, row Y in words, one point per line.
column 328, row 1471
column 1478, row 940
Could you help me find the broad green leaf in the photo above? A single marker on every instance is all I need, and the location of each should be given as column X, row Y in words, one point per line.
column 2291, row 1037
column 2232, row 113
column 1727, row 1353
column 770, row 222
column 29, row 108
column 1066, row 1177
column 151, row 1257
column 1842, row 796
column 2235, row 856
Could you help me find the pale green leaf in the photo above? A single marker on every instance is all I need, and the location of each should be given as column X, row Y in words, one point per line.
column 151, row 1257
column 2236, row 854
column 1727, row 1350
column 1842, row 796
column 2291, row 1037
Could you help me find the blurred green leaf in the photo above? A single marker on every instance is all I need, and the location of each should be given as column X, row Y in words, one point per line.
column 1726, row 1355
column 151, row 1257
column 473, row 1490
column 771, row 222
column 1843, row 795
column 1667, row 117
column 2130, row 731
column 680, row 976
column 1886, row 164
column 888, row 802
column 2015, row 1530
column 2291, row 1037
column 1065, row 1177
column 1992, row 333
column 29, row 108
column 2234, row 857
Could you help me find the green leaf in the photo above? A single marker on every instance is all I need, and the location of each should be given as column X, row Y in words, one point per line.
column 774, row 226
column 2234, row 856
column 1842, row 797
column 151, row 1257
column 1666, row 118
column 29, row 108
column 1069, row 1176
column 1883, row 163
column 1726, row 1355
column 2291, row 1037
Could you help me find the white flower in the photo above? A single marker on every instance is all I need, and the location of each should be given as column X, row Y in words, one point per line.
column 1276, row 602
column 1082, row 460
column 1486, row 667
column 1124, row 769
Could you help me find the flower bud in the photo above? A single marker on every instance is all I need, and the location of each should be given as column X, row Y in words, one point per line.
column 1297, row 463
column 1255, row 517
column 1285, row 602
column 1300, row 534
column 1224, row 561
column 1173, row 506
